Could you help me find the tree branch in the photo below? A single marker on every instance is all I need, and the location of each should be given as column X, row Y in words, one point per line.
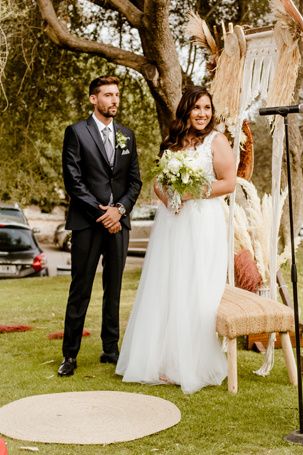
column 60, row 36
column 126, row 8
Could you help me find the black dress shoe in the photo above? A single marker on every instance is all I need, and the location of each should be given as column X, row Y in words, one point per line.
column 111, row 357
column 67, row 367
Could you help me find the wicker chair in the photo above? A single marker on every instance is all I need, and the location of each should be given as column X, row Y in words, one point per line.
column 243, row 313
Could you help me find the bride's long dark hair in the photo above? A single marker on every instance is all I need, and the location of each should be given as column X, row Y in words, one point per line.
column 180, row 128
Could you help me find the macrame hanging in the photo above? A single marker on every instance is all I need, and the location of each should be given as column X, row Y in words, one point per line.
column 259, row 70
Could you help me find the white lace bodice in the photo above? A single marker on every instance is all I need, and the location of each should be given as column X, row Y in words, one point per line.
column 206, row 154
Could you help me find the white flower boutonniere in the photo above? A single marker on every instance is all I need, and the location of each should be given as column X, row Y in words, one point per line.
column 121, row 140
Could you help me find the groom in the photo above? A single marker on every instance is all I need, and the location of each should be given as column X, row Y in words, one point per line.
column 101, row 176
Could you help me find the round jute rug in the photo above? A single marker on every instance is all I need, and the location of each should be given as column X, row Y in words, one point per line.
column 87, row 417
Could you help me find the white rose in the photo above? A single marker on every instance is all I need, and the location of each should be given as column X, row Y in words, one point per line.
column 174, row 165
column 188, row 161
column 185, row 178
column 196, row 165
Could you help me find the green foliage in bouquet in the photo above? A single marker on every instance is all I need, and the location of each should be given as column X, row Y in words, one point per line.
column 181, row 172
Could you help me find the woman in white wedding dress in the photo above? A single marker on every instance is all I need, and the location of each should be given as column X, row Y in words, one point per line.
column 171, row 334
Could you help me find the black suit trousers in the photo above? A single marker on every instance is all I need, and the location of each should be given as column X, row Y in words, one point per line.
column 87, row 247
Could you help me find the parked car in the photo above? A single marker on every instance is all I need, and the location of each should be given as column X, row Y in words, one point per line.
column 63, row 237
column 142, row 219
column 20, row 253
column 13, row 212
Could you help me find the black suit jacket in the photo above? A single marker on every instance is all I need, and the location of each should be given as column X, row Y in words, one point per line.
column 88, row 177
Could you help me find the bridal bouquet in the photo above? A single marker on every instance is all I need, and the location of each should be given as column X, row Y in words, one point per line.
column 180, row 173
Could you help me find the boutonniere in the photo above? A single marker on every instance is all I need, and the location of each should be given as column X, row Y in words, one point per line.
column 121, row 140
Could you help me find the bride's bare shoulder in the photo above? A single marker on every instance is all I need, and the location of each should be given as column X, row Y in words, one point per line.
column 220, row 140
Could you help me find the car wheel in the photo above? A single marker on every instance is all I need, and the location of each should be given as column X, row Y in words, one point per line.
column 43, row 272
column 67, row 245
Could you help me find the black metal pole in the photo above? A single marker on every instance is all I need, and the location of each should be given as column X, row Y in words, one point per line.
column 296, row 436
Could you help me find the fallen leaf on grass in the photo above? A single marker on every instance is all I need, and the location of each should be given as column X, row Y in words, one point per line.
column 29, row 448
column 47, row 361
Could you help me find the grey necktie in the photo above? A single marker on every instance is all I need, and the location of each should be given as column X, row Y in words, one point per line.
column 110, row 152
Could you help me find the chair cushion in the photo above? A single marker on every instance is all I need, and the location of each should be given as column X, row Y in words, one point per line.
column 242, row 313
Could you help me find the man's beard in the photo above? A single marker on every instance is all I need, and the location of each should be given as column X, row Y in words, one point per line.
column 107, row 114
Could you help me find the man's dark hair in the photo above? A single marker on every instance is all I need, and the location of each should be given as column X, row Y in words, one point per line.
column 102, row 80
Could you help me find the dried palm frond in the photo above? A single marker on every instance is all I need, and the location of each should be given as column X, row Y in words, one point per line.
column 199, row 33
column 226, row 85
column 286, row 11
column 284, row 82
column 287, row 32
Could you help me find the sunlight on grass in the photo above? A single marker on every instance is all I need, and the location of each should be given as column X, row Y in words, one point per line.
column 213, row 421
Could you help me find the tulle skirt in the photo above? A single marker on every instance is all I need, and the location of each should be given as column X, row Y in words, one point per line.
column 171, row 333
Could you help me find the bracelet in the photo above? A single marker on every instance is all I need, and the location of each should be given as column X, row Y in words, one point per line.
column 207, row 192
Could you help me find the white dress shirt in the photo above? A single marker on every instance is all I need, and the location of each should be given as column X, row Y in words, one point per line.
column 111, row 137
column 101, row 127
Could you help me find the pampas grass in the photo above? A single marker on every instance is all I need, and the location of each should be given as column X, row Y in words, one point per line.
column 253, row 225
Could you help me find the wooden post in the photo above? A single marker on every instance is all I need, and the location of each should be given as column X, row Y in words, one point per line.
column 289, row 358
column 232, row 365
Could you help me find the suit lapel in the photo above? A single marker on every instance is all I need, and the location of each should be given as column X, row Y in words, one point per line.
column 117, row 148
column 94, row 132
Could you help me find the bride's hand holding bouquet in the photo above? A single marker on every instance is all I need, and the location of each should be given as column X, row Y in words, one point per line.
column 182, row 177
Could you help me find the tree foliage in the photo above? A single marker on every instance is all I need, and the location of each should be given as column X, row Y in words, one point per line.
column 47, row 76
column 148, row 36
column 46, row 89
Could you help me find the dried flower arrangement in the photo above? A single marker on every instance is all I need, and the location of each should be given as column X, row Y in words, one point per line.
column 252, row 224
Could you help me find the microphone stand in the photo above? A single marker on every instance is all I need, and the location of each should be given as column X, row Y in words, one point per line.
column 297, row 435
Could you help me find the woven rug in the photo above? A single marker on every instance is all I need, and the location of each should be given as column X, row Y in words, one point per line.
column 87, row 417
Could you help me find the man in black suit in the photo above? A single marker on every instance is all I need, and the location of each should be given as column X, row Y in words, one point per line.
column 101, row 176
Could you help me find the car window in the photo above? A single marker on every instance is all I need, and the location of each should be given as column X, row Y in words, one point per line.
column 12, row 214
column 16, row 239
column 143, row 213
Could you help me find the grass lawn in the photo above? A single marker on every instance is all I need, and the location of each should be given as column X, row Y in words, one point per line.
column 213, row 421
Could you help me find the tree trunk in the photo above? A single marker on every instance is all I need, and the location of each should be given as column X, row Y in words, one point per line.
column 159, row 66
column 159, row 47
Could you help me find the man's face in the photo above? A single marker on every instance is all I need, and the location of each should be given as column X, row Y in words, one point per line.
column 106, row 101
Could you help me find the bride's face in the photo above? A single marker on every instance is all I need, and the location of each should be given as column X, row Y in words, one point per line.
column 201, row 114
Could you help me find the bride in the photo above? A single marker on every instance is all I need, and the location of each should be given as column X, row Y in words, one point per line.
column 171, row 334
